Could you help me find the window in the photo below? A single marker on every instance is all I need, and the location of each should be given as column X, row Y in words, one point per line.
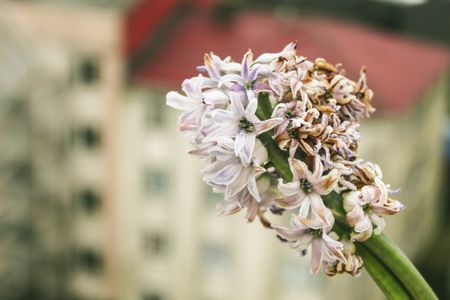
column 155, row 243
column 88, row 137
column 89, row 260
column 152, row 296
column 88, row 71
column 155, row 111
column 155, row 181
column 89, row 200
column 21, row 172
column 215, row 256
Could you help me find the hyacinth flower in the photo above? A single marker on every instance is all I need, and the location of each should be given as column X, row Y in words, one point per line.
column 305, row 232
column 242, row 124
column 306, row 189
column 279, row 135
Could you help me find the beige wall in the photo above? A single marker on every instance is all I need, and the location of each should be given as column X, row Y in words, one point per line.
column 62, row 39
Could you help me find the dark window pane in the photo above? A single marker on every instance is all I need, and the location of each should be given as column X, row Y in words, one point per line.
column 154, row 243
column 89, row 137
column 155, row 181
column 89, row 70
column 89, row 260
column 215, row 256
column 155, row 111
column 152, row 296
column 89, row 200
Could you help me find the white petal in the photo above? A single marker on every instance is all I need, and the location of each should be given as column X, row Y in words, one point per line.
column 355, row 216
column 237, row 104
column 288, row 233
column 316, row 255
column 216, row 98
column 304, row 207
column 320, row 209
column 260, row 155
column 289, row 202
column 327, row 183
column 299, row 168
column 290, row 188
column 263, row 126
column 193, row 87
column 227, row 174
column 231, row 78
column 246, row 154
column 250, row 110
column 239, row 183
column 177, row 101
column 253, row 188
column 370, row 193
column 363, row 225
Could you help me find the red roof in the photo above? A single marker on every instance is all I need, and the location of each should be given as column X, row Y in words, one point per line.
column 143, row 19
column 399, row 69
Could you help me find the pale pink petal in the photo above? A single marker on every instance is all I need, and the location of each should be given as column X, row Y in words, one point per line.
column 320, row 209
column 250, row 110
column 237, row 104
column 316, row 255
column 245, row 145
column 231, row 78
column 355, row 216
column 363, row 225
column 227, row 174
column 228, row 208
column 327, row 183
column 246, row 61
column 266, row 58
column 292, row 149
column 193, row 87
column 290, row 188
column 239, row 183
column 281, row 128
column 289, row 234
column 392, row 207
column 370, row 193
column 304, row 207
column 253, row 188
column 263, row 126
column 383, row 191
column 289, row 202
column 300, row 168
column 379, row 223
column 350, row 200
column 252, row 210
column 318, row 170
column 260, row 155
column 336, row 248
column 177, row 101
column 216, row 98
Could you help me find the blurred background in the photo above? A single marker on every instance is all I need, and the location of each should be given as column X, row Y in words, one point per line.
column 98, row 197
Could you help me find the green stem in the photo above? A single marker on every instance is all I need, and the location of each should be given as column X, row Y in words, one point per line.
column 394, row 258
column 383, row 277
column 278, row 157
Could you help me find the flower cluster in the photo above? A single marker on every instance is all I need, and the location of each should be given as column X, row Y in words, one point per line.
column 280, row 133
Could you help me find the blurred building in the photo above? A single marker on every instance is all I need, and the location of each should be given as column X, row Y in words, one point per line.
column 100, row 199
column 60, row 144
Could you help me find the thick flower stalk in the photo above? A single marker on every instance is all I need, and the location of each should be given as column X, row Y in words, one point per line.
column 279, row 134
